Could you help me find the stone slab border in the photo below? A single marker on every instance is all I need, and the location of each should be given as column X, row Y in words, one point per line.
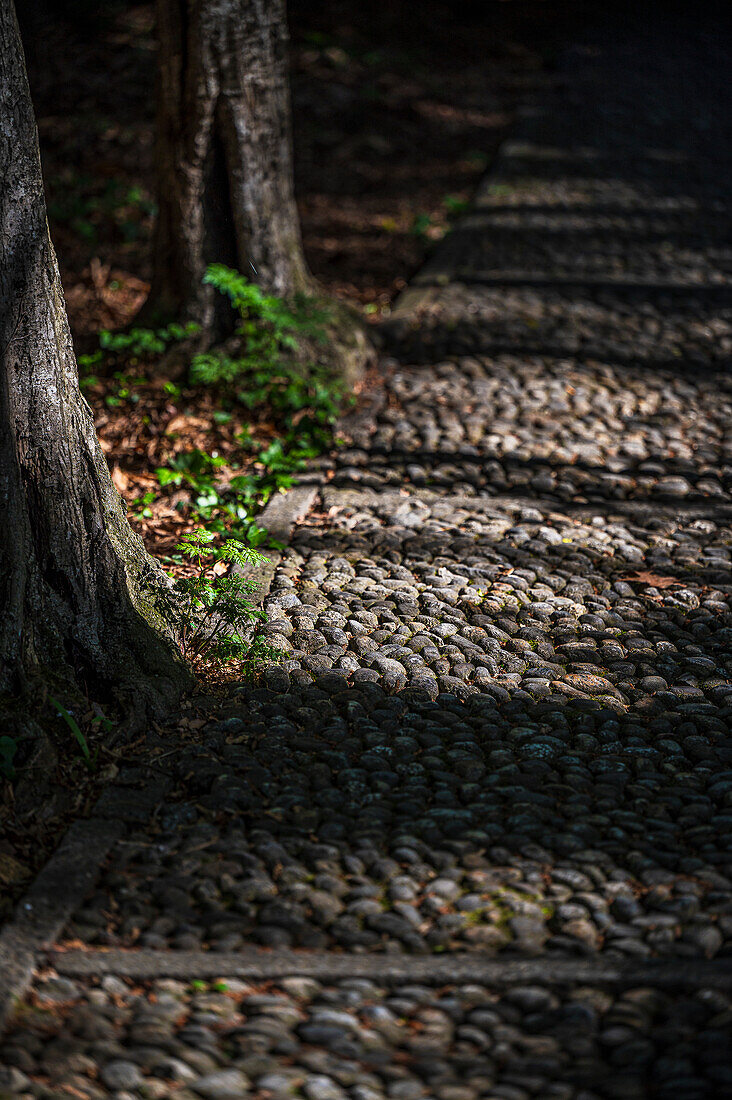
column 527, row 279
column 279, row 518
column 52, row 898
column 286, row 510
column 258, row 965
column 61, row 886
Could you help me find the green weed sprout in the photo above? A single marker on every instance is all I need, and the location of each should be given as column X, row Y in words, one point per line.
column 89, row 759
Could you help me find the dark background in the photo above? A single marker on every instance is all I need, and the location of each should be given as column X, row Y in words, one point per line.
column 397, row 112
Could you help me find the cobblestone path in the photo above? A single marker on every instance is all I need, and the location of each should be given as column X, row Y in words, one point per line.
column 502, row 730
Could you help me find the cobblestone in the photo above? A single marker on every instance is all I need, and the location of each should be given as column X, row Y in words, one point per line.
column 367, row 1041
column 530, row 716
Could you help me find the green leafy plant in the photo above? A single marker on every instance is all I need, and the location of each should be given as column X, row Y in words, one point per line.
column 125, row 390
column 303, row 400
column 87, row 208
column 216, row 610
column 225, row 506
column 429, row 228
column 455, row 205
column 230, row 505
column 140, row 507
column 142, row 342
column 268, row 327
column 192, row 468
column 8, row 750
column 89, row 759
column 421, row 224
column 135, row 345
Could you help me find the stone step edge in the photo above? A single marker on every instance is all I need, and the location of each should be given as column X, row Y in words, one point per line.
column 357, row 495
column 262, row 965
column 453, row 276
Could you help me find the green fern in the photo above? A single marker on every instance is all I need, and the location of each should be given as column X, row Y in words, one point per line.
column 135, row 345
column 268, row 326
column 140, row 342
column 216, row 612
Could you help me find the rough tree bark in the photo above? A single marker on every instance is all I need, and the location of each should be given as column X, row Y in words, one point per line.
column 224, row 172
column 224, row 159
column 81, row 601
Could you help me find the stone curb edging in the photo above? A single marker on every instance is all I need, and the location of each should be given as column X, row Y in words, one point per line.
column 68, row 876
column 556, row 509
column 279, row 519
column 285, row 510
column 148, row 964
column 50, row 901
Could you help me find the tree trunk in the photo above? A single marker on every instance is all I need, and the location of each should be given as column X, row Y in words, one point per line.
column 224, row 157
column 82, row 602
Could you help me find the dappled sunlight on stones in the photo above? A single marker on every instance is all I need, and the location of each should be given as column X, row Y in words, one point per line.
column 488, row 734
column 357, row 820
column 575, row 429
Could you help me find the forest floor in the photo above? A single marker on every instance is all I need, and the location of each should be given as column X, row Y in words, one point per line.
column 472, row 836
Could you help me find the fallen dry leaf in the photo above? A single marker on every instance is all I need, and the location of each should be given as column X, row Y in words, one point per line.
column 181, row 422
column 651, row 579
column 120, row 479
column 11, row 870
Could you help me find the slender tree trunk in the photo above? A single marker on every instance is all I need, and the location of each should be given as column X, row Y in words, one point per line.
column 224, row 156
column 80, row 600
